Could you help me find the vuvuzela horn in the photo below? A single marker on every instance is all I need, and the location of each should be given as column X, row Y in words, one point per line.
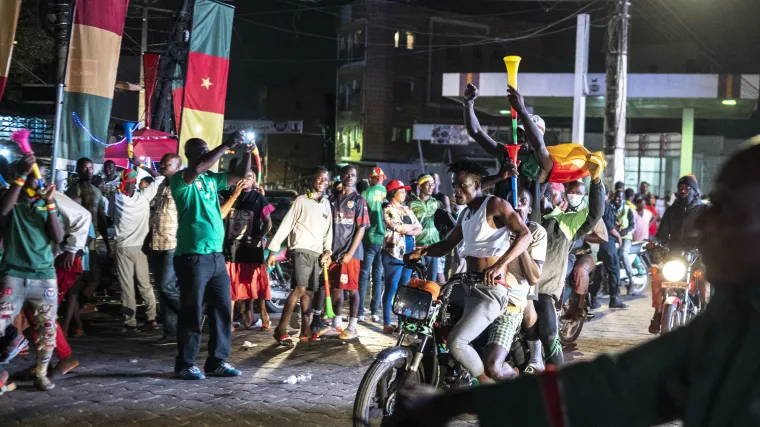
column 513, row 63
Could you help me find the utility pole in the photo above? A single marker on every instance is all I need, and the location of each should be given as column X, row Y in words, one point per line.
column 617, row 89
column 62, row 10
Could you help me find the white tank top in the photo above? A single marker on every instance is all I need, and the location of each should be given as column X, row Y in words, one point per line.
column 479, row 239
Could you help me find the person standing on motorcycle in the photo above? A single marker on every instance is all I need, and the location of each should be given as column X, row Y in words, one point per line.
column 484, row 227
column 705, row 373
column 625, row 223
column 522, row 277
column 678, row 232
column 563, row 229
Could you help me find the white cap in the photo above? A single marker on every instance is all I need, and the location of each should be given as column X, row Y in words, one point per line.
column 540, row 124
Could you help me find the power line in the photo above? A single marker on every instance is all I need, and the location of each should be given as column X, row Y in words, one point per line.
column 28, row 71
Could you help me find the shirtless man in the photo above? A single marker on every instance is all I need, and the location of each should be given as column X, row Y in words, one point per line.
column 484, row 227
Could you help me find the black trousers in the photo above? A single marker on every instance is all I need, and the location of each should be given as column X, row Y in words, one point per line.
column 548, row 325
column 608, row 255
column 203, row 278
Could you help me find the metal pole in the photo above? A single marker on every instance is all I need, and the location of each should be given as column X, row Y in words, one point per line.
column 617, row 88
column 266, row 157
column 56, row 129
column 422, row 159
column 141, row 114
column 581, row 69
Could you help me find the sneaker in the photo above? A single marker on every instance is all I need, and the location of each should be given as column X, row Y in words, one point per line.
column 191, row 373
column 389, row 330
column 129, row 330
column 150, row 326
column 165, row 341
column 616, row 303
column 361, row 318
column 224, row 370
column 317, row 324
column 595, row 304
column 654, row 325
column 534, row 368
column 43, row 383
column 376, row 318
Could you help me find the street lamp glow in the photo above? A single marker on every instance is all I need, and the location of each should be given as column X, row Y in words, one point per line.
column 729, row 102
column 250, row 135
column 504, row 112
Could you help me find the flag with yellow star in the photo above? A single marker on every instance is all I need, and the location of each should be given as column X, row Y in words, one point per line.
column 199, row 104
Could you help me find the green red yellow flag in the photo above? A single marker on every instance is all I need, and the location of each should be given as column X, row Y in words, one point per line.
column 90, row 78
column 201, row 99
column 571, row 162
column 9, row 10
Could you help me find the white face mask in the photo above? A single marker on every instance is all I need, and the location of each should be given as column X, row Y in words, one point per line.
column 574, row 200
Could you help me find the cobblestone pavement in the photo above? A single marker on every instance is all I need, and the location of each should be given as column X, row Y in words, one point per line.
column 126, row 381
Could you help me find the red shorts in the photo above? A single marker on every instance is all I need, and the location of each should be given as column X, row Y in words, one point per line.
column 248, row 281
column 66, row 279
column 345, row 276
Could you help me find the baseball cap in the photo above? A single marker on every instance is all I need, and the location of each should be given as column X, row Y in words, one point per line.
column 396, row 185
column 377, row 172
column 540, row 124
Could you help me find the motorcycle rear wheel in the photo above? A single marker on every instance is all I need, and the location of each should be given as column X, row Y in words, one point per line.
column 671, row 318
column 570, row 330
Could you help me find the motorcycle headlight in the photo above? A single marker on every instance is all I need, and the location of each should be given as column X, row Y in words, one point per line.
column 674, row 270
column 412, row 303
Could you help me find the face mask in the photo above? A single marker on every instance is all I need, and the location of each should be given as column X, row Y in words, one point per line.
column 574, row 200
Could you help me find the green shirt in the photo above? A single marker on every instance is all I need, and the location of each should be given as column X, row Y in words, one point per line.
column 375, row 197
column 425, row 213
column 529, row 167
column 199, row 216
column 28, row 249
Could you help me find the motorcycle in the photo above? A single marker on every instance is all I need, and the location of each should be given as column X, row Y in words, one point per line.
column 421, row 355
column 681, row 300
column 571, row 317
column 279, row 281
column 640, row 269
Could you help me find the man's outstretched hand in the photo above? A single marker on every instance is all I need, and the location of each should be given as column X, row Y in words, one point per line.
column 470, row 92
column 235, row 139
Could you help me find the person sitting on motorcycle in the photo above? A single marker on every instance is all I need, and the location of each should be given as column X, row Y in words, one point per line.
column 704, row 373
column 678, row 232
column 562, row 229
column 484, row 227
column 522, row 277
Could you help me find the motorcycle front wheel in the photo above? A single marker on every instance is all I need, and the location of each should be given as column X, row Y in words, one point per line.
column 376, row 396
column 671, row 318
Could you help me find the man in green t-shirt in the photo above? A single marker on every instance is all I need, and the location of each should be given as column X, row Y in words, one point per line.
column 198, row 259
column 424, row 208
column 373, row 243
column 27, row 272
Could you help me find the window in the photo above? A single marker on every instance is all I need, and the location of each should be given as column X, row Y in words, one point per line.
column 652, row 171
column 409, row 41
column 395, row 39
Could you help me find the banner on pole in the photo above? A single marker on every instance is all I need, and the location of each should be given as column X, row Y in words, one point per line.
column 205, row 89
column 90, row 78
column 150, row 67
column 9, row 10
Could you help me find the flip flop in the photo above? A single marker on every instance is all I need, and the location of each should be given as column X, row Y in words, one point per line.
column 285, row 340
column 307, row 339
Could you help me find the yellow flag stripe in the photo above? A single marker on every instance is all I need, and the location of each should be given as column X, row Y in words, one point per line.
column 93, row 61
column 200, row 124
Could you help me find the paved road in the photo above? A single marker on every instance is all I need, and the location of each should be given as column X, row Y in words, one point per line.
column 126, row 381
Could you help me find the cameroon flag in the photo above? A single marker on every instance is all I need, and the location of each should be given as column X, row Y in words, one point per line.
column 8, row 18
column 90, row 79
column 571, row 162
column 199, row 105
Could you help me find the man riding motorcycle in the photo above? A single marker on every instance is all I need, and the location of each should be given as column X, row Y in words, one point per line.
column 678, row 232
column 484, row 227
column 705, row 373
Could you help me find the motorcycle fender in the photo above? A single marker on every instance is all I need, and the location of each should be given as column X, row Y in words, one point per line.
column 672, row 299
column 393, row 354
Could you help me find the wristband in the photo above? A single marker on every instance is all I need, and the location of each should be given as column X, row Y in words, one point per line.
column 20, row 182
column 22, row 177
column 51, row 207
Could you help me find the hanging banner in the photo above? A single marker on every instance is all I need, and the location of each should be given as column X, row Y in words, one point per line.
column 150, row 72
column 261, row 127
column 9, row 10
column 90, row 79
column 205, row 89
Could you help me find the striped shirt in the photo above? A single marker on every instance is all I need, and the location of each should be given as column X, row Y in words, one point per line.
column 165, row 220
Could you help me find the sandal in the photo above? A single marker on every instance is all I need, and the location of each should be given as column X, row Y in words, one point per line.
column 265, row 323
column 285, row 340
column 307, row 339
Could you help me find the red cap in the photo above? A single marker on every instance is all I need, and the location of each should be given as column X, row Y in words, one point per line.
column 377, row 172
column 396, row 185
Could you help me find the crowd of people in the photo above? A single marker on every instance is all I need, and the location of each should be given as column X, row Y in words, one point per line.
column 204, row 237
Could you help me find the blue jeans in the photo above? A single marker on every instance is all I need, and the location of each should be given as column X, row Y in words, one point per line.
column 431, row 265
column 372, row 262
column 203, row 278
column 162, row 264
column 395, row 275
